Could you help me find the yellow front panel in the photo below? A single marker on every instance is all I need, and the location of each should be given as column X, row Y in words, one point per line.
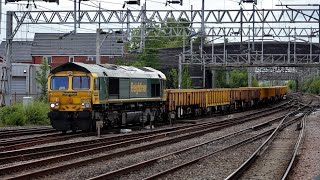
column 69, row 99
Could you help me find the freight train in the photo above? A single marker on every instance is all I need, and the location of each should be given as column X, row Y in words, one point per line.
column 81, row 94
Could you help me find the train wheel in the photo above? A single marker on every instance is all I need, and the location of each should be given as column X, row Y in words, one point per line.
column 118, row 122
column 74, row 128
column 111, row 124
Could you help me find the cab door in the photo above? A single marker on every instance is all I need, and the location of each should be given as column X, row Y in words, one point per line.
column 103, row 88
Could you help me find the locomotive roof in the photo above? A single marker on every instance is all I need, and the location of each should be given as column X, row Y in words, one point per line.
column 111, row 70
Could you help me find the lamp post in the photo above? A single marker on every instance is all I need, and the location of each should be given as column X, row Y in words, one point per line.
column 201, row 49
column 99, row 44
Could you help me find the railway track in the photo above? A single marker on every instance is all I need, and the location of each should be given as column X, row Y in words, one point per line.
column 19, row 143
column 18, row 140
column 149, row 163
column 25, row 131
column 161, row 138
column 14, row 143
column 275, row 157
column 70, row 147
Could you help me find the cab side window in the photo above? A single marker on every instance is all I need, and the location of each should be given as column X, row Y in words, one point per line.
column 113, row 88
column 96, row 84
column 155, row 88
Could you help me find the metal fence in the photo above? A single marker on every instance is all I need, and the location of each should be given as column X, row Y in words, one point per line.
column 18, row 97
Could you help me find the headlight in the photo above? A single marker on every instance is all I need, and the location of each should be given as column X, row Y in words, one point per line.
column 86, row 105
column 52, row 105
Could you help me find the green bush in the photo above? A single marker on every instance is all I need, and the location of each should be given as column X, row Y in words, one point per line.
column 311, row 85
column 17, row 115
column 37, row 113
column 292, row 85
column 13, row 115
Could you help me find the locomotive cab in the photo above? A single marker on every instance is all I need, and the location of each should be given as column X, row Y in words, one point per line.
column 71, row 96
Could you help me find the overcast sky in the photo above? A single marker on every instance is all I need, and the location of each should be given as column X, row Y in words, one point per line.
column 27, row 31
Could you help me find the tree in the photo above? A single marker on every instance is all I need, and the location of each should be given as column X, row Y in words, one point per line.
column 186, row 79
column 156, row 37
column 311, row 85
column 221, row 79
column 42, row 79
column 182, row 26
column 292, row 85
column 238, row 78
column 173, row 78
column 120, row 61
column 255, row 82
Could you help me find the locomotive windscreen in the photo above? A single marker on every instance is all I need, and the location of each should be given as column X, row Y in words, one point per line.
column 80, row 82
column 59, row 83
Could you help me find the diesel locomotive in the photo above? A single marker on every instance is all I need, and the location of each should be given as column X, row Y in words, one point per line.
column 81, row 94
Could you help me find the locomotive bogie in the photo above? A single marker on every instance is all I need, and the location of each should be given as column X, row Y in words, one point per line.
column 69, row 120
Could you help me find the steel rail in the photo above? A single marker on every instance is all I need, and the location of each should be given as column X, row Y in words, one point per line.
column 11, row 169
column 297, row 145
column 66, row 150
column 24, row 152
column 11, row 141
column 14, row 145
column 25, row 132
column 158, row 175
column 187, row 135
column 262, row 148
column 7, row 158
column 24, row 129
column 153, row 161
column 18, row 145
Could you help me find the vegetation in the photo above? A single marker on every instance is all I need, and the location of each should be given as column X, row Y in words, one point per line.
column 238, row 78
column 18, row 115
column 42, row 79
column 291, row 85
column 155, row 38
column 310, row 85
column 186, row 82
